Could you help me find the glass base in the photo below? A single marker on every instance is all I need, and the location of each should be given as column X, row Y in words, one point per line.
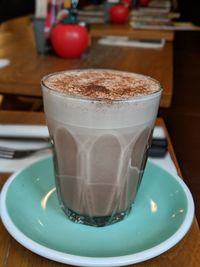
column 98, row 221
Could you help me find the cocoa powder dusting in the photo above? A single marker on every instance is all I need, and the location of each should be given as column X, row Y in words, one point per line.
column 102, row 84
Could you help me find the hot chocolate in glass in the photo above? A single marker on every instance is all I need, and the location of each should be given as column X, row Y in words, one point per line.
column 100, row 123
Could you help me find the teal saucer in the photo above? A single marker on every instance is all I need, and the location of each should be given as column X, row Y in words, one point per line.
column 161, row 216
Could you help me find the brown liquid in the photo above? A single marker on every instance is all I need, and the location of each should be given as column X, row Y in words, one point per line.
column 101, row 177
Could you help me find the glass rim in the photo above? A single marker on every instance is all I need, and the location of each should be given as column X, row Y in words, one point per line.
column 102, row 100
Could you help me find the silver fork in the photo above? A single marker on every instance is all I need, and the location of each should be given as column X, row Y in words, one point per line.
column 11, row 153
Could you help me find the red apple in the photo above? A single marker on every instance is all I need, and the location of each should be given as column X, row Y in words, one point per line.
column 69, row 40
column 119, row 13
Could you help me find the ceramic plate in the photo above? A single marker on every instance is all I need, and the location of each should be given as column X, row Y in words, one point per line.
column 161, row 216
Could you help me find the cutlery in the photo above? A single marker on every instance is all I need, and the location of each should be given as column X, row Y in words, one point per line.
column 9, row 153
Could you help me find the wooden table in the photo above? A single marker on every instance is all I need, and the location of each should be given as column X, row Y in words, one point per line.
column 185, row 254
column 23, row 75
column 100, row 30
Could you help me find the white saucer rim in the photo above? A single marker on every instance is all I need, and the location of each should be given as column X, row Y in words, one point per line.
column 97, row 261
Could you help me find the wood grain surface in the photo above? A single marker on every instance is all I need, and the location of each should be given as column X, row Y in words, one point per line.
column 99, row 30
column 185, row 254
column 23, row 75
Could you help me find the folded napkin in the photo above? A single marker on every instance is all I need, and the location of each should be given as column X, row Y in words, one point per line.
column 23, row 131
column 126, row 42
column 13, row 165
column 12, row 136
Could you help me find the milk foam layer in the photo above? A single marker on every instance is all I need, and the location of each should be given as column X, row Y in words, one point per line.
column 102, row 84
